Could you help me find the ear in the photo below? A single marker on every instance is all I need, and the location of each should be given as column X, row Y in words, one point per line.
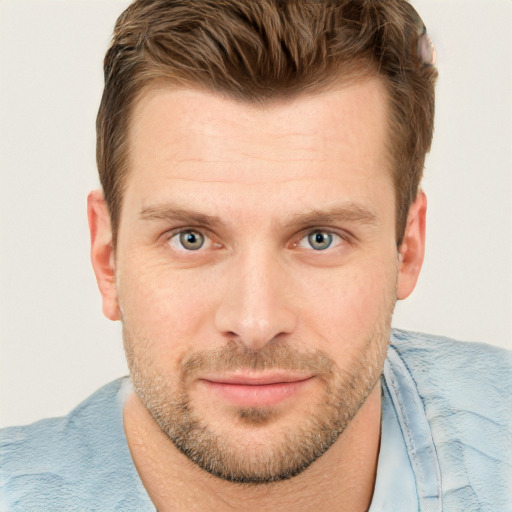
column 412, row 249
column 102, row 252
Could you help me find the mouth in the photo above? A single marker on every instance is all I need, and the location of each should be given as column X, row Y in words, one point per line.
column 256, row 389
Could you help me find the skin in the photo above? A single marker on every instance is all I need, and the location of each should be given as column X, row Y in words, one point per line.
column 256, row 182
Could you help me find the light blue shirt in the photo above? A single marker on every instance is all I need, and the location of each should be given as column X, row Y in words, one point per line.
column 408, row 475
column 395, row 486
column 446, row 440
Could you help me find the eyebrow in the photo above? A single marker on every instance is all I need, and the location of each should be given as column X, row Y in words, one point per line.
column 350, row 212
column 167, row 212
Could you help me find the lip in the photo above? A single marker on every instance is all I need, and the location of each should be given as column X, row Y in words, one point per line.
column 258, row 378
column 256, row 389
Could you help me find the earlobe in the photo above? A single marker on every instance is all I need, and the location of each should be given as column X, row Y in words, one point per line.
column 102, row 252
column 412, row 249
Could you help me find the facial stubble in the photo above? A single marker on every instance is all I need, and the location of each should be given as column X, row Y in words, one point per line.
column 292, row 450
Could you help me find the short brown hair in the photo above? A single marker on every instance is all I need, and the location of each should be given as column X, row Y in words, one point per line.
column 262, row 50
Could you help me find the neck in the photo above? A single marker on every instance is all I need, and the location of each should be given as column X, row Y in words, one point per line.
column 341, row 479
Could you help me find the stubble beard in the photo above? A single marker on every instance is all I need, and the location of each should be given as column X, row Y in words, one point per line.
column 294, row 449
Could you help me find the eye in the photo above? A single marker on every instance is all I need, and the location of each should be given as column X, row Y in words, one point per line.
column 189, row 240
column 319, row 240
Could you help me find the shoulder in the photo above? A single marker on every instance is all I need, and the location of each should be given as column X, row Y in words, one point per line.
column 466, row 391
column 61, row 463
column 458, row 376
column 471, row 374
column 448, row 352
column 410, row 340
column 51, row 438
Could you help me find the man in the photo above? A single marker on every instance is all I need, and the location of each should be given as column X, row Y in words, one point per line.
column 259, row 217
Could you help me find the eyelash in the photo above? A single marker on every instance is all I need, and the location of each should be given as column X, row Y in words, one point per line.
column 176, row 234
column 336, row 239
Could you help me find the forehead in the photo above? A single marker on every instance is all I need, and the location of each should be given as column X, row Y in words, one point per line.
column 196, row 142
column 191, row 126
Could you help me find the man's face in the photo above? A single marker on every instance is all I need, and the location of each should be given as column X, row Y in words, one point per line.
column 256, row 272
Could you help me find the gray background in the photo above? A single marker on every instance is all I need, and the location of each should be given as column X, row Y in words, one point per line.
column 56, row 348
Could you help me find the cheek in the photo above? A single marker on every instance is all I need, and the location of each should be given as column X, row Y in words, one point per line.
column 350, row 304
column 166, row 308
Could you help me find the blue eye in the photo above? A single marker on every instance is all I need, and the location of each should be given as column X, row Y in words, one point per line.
column 320, row 240
column 189, row 240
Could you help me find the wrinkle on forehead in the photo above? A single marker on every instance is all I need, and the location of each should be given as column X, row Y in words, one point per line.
column 270, row 146
column 200, row 121
column 191, row 136
column 248, row 155
column 231, row 178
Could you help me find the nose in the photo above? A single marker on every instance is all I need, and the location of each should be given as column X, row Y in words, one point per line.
column 256, row 305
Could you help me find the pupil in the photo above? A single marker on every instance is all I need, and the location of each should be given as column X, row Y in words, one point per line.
column 191, row 240
column 319, row 240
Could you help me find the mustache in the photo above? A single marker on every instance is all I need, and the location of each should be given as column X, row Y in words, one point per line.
column 234, row 356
